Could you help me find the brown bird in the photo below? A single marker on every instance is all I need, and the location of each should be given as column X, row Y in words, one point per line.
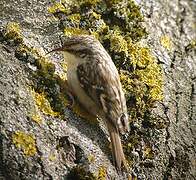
column 93, row 78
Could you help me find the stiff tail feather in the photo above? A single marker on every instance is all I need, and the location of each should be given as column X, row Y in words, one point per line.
column 117, row 150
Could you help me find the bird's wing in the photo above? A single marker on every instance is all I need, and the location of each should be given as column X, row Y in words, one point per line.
column 100, row 81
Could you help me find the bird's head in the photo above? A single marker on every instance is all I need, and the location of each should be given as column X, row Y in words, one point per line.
column 80, row 45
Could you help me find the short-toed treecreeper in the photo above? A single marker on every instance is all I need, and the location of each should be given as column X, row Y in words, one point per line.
column 93, row 78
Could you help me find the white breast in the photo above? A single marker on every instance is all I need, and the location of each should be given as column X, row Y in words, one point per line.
column 74, row 84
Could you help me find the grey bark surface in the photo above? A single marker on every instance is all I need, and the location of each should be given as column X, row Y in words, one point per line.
column 175, row 145
column 176, row 19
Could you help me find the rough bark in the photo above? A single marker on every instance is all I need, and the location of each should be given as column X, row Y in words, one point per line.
column 174, row 146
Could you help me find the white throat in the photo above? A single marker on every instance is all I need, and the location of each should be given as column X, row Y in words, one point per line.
column 71, row 59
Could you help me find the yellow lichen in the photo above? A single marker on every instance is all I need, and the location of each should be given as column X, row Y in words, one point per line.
column 152, row 77
column 74, row 18
column 133, row 140
column 13, row 28
column 63, row 75
column 26, row 142
column 102, row 174
column 57, row 7
column 143, row 85
column 22, row 49
column 126, row 82
column 43, row 104
column 45, row 66
column 97, row 33
column 37, row 118
column 13, row 31
column 35, row 114
column 166, row 42
column 91, row 158
column 96, row 15
column 140, row 56
column 52, row 157
column 117, row 42
column 148, row 71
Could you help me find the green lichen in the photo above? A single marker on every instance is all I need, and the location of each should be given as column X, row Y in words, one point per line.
column 147, row 70
column 26, row 142
column 101, row 17
column 132, row 141
column 143, row 82
column 117, row 42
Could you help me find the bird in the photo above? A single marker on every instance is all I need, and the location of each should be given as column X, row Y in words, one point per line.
column 94, row 80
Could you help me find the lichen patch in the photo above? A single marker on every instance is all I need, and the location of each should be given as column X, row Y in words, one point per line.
column 25, row 142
